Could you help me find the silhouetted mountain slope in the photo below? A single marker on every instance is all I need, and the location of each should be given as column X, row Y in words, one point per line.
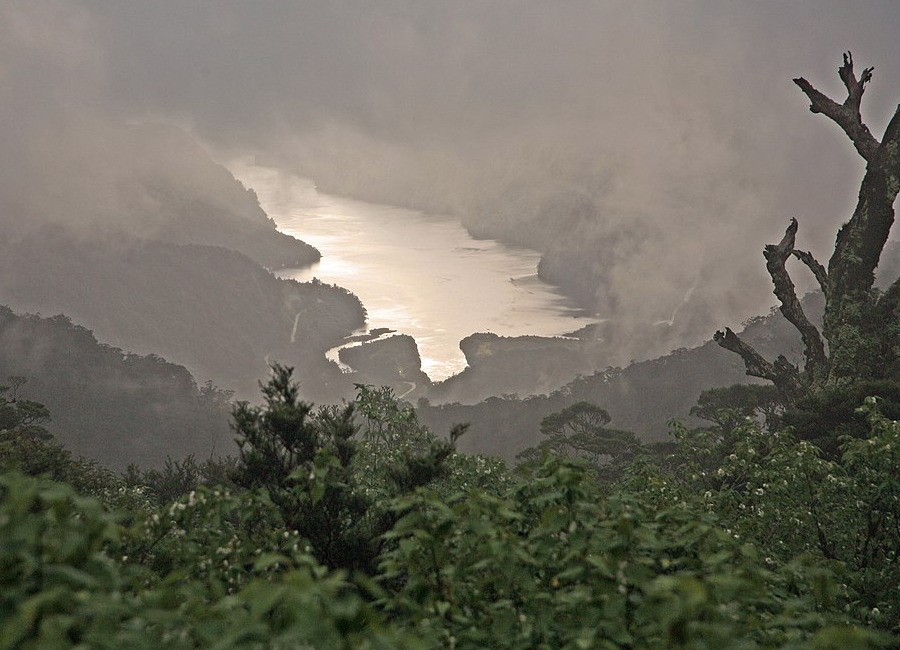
column 146, row 181
column 214, row 310
column 115, row 407
column 188, row 198
column 520, row 365
column 143, row 238
column 641, row 397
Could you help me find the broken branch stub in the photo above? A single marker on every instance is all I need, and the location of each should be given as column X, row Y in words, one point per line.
column 846, row 115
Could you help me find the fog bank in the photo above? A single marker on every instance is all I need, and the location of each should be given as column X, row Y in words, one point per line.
column 649, row 150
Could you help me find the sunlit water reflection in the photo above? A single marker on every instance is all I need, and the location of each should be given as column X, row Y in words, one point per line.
column 416, row 273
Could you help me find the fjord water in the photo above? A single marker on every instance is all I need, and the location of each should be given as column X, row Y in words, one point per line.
column 416, row 273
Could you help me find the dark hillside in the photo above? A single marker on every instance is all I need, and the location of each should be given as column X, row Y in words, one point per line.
column 115, row 407
column 641, row 397
column 147, row 241
column 211, row 309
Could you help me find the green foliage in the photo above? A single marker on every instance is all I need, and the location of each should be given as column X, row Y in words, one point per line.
column 826, row 416
column 327, row 484
column 303, row 462
column 792, row 501
column 51, row 562
column 385, row 420
column 554, row 564
column 397, row 453
column 757, row 542
column 215, row 536
column 59, row 588
column 177, row 478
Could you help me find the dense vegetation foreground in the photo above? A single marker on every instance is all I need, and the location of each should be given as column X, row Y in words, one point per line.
column 355, row 527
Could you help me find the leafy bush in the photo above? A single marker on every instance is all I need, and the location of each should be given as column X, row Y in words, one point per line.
column 178, row 478
column 60, row 589
column 323, row 481
column 51, row 562
column 792, row 501
column 554, row 564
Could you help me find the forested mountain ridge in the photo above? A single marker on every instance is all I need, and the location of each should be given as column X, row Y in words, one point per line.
column 147, row 181
column 157, row 249
column 108, row 405
column 214, row 310
column 641, row 397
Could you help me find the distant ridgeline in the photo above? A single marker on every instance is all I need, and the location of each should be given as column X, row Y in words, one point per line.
column 159, row 250
column 641, row 397
column 114, row 407
column 211, row 309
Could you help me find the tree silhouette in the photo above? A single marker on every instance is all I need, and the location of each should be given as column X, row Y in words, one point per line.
column 861, row 324
column 580, row 431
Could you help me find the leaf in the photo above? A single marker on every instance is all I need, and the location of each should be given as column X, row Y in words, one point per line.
column 264, row 598
column 268, row 560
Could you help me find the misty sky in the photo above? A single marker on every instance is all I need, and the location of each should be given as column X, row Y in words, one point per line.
column 677, row 120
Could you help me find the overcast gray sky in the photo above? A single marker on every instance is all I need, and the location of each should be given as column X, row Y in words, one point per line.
column 677, row 120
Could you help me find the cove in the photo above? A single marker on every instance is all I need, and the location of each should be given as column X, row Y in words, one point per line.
column 416, row 273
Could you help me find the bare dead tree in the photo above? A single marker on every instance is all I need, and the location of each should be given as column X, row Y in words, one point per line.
column 861, row 325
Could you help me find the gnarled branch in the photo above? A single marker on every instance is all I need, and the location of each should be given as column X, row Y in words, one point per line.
column 817, row 269
column 756, row 364
column 776, row 255
column 851, row 269
column 782, row 373
column 846, row 115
